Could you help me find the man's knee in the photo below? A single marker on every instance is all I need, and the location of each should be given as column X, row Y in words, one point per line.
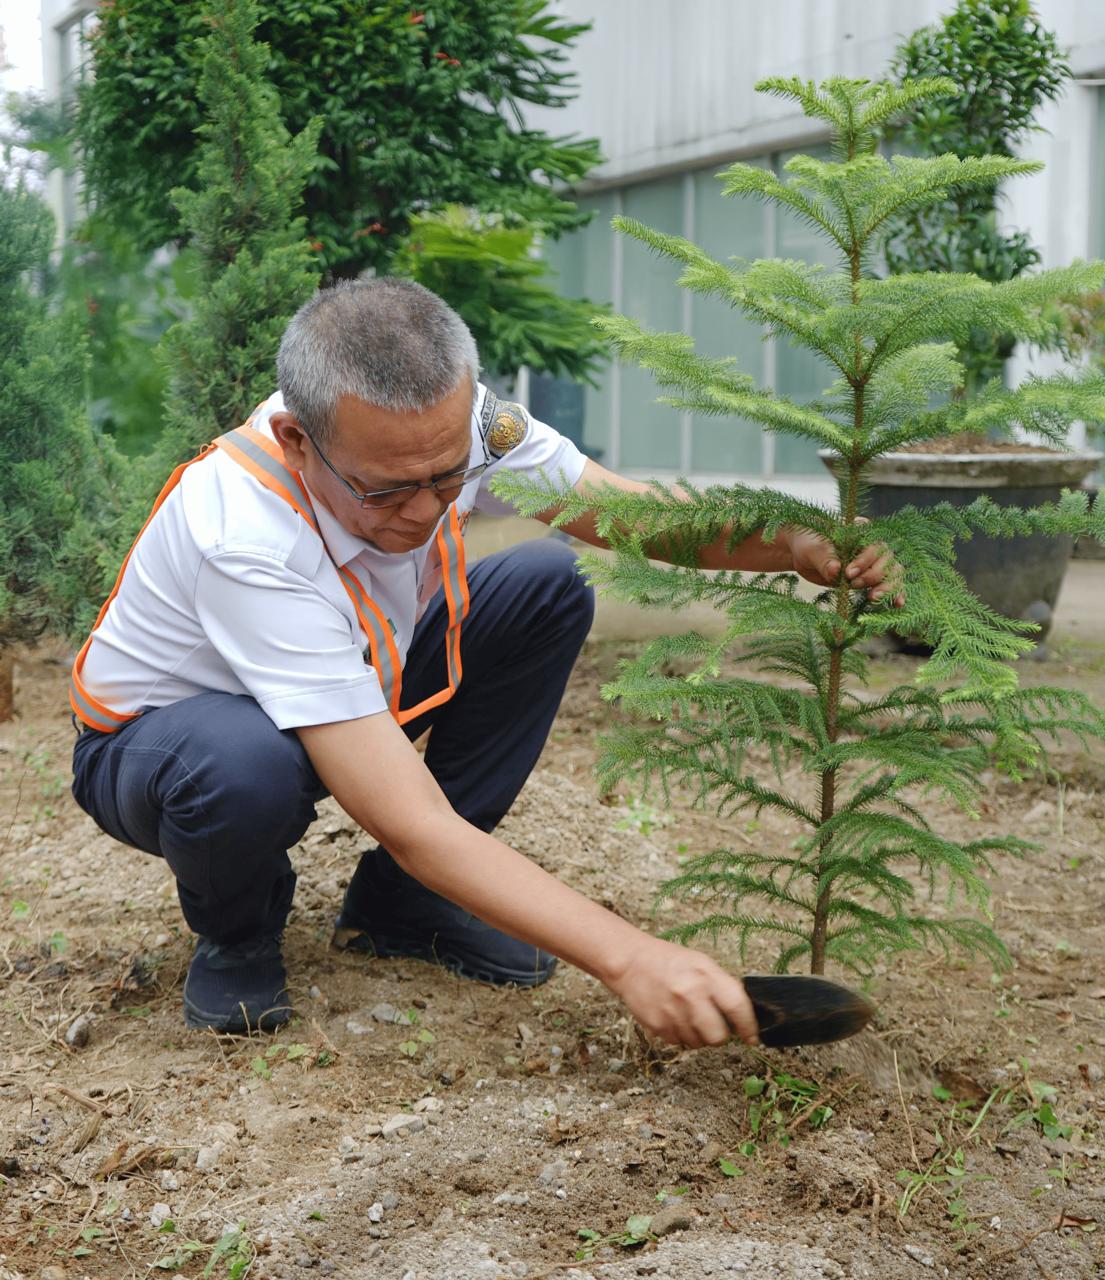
column 553, row 569
column 241, row 776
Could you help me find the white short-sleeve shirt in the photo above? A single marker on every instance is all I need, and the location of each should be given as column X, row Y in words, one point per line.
column 230, row 590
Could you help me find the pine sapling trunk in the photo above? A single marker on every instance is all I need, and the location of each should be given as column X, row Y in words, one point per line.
column 843, row 595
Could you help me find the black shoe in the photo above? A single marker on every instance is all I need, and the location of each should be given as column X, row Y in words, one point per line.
column 388, row 913
column 237, row 988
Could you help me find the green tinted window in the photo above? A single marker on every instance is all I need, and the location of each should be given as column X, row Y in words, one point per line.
column 799, row 375
column 583, row 266
column 650, row 432
column 727, row 227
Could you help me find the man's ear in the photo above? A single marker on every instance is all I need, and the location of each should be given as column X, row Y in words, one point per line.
column 291, row 437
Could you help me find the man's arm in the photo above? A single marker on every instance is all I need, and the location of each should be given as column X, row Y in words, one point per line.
column 794, row 550
column 379, row 779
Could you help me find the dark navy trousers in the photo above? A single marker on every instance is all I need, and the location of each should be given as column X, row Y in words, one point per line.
column 213, row 787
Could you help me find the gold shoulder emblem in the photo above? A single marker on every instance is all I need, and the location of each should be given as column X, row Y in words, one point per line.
column 508, row 429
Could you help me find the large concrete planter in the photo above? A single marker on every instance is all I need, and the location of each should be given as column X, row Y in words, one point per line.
column 1018, row 577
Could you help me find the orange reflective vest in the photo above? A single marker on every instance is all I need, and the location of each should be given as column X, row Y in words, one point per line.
column 264, row 460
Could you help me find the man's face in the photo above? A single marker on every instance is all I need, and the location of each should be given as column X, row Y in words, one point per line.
column 374, row 448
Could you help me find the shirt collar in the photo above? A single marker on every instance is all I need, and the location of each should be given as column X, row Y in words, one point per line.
column 342, row 545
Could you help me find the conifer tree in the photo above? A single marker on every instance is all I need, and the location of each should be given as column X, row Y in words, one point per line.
column 53, row 490
column 256, row 266
column 869, row 765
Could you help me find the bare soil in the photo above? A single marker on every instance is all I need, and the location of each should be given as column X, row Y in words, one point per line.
column 972, row 442
column 534, row 1114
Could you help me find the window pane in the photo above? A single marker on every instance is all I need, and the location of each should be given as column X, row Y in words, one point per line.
column 727, row 227
column 799, row 374
column 650, row 432
column 583, row 262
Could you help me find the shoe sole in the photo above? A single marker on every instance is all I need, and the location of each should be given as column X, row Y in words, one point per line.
column 387, row 947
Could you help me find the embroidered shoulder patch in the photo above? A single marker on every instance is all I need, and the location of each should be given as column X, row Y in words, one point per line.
column 504, row 425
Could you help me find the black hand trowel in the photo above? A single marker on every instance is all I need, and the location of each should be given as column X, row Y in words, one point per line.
column 805, row 1010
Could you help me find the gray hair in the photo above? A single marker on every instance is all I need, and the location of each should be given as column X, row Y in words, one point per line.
column 387, row 341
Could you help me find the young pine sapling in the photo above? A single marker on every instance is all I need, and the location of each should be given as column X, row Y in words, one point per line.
column 846, row 890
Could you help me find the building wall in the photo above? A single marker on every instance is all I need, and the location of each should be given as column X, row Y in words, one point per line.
column 64, row 23
column 668, row 90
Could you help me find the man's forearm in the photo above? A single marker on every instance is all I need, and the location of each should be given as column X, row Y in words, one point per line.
column 752, row 555
column 506, row 890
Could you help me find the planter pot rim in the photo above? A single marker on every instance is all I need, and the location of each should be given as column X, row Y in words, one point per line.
column 978, row 470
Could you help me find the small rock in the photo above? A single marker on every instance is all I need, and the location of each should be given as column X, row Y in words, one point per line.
column 561, row 1194
column 315, row 992
column 80, row 1029
column 207, row 1158
column 1041, row 811
column 614, row 1065
column 162, row 940
column 449, row 1074
column 347, row 1145
column 915, row 1251
column 305, row 1260
column 402, row 1125
column 644, row 1131
column 168, row 1179
column 327, row 1267
column 356, row 1028
column 1094, row 1074
column 390, row 1200
column 159, row 1214
column 552, row 1172
column 385, row 1012
column 52, row 1273
column 373, row 1130
column 712, row 1152
column 672, row 1216
column 428, row 1104
column 376, row 1212
column 511, row 1197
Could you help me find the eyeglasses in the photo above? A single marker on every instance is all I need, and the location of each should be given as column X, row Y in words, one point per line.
column 447, row 486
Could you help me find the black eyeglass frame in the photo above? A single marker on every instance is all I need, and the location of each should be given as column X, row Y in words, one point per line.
column 453, row 479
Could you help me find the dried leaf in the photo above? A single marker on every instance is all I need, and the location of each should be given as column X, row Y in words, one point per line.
column 1071, row 1220
column 88, row 1131
column 108, row 1166
column 962, row 1087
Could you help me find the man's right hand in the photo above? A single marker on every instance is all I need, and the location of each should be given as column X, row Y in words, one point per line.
column 683, row 997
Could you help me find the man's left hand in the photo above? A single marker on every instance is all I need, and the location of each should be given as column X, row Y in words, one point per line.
column 873, row 569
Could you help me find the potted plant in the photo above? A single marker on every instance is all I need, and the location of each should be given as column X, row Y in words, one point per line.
column 1005, row 65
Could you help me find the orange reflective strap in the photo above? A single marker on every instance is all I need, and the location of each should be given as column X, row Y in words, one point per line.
column 381, row 642
column 264, row 460
column 450, row 547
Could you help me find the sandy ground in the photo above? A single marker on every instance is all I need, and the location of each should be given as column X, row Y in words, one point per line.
column 409, row 1125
